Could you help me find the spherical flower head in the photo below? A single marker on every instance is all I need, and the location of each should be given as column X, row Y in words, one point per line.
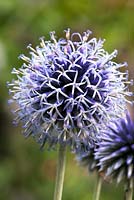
column 67, row 88
column 116, row 150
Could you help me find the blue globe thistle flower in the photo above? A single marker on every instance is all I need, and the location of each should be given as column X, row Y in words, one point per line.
column 115, row 154
column 66, row 88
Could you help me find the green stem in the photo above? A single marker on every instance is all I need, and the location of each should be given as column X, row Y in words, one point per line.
column 97, row 188
column 129, row 190
column 60, row 173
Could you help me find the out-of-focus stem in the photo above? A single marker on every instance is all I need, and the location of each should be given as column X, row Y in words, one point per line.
column 60, row 173
column 129, row 190
column 97, row 188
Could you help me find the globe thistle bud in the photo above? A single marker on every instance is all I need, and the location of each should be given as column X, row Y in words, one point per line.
column 67, row 88
column 115, row 154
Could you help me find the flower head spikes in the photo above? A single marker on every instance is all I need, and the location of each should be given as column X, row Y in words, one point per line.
column 87, row 158
column 67, row 88
column 116, row 150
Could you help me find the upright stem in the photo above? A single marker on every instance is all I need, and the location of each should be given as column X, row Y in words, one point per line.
column 129, row 190
column 97, row 188
column 60, row 173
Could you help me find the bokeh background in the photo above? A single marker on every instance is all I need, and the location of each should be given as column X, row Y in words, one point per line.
column 26, row 173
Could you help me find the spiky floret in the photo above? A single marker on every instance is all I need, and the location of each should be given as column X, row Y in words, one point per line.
column 67, row 88
column 86, row 158
column 116, row 150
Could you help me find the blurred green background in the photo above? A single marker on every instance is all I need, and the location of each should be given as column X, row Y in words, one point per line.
column 26, row 173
